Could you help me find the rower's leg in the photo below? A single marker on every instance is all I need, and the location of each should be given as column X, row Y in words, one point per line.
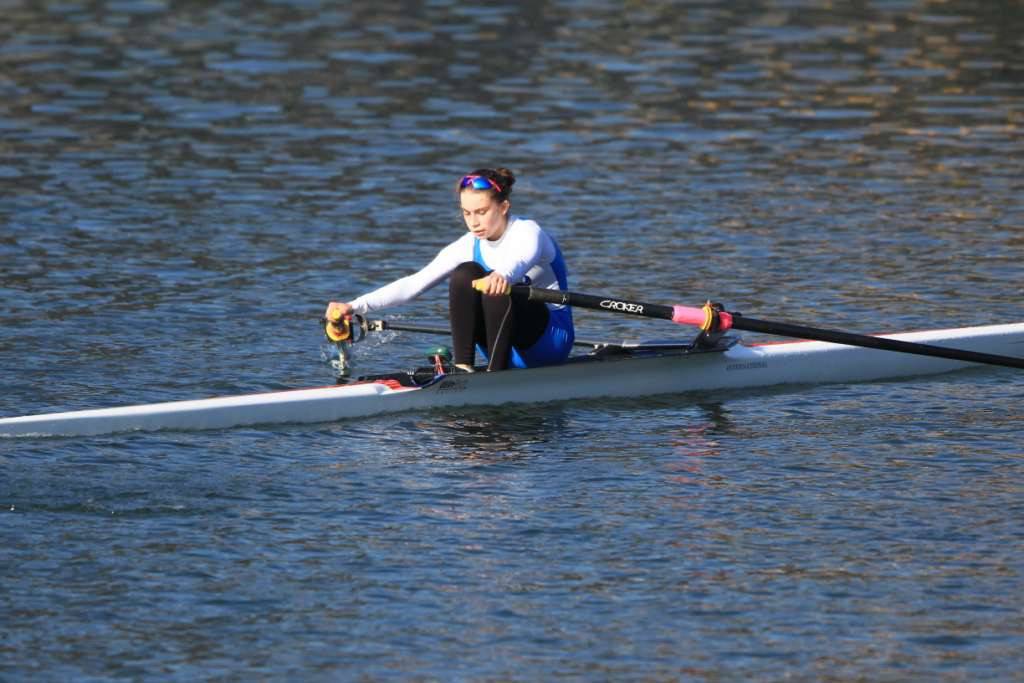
column 500, row 324
column 493, row 322
column 511, row 321
column 531, row 322
column 465, row 312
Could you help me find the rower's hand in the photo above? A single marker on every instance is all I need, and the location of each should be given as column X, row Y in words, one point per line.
column 337, row 310
column 493, row 284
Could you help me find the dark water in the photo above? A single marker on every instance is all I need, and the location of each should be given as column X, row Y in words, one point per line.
column 185, row 184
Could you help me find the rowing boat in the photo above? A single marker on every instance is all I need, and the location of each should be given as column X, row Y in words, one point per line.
column 608, row 371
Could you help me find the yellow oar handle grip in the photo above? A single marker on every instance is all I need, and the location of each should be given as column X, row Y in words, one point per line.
column 481, row 286
column 338, row 330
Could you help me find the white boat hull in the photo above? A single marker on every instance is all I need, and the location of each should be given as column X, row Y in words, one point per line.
column 741, row 366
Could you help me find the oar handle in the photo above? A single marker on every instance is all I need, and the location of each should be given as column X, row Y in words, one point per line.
column 347, row 329
column 339, row 330
column 480, row 285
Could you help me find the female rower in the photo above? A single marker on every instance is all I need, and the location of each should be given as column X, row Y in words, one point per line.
column 502, row 250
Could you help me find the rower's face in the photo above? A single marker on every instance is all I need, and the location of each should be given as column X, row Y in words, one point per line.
column 485, row 216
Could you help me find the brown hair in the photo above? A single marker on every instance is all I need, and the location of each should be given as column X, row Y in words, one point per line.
column 502, row 177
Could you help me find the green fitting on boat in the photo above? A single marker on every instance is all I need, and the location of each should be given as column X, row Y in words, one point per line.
column 440, row 350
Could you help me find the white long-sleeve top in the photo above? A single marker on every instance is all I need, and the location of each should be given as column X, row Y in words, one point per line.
column 523, row 254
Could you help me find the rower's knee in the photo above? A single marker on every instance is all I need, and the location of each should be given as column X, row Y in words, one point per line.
column 464, row 274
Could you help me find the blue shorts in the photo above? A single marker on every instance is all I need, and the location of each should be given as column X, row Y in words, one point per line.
column 552, row 348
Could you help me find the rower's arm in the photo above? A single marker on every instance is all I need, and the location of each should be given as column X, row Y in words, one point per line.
column 409, row 287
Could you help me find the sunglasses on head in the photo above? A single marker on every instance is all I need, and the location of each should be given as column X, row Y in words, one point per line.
column 479, row 182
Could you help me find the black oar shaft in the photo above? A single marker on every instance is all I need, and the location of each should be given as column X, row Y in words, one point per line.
column 690, row 316
column 382, row 325
column 741, row 322
column 601, row 303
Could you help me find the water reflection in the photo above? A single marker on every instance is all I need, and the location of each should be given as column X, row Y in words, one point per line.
column 495, row 434
column 689, row 430
column 694, row 442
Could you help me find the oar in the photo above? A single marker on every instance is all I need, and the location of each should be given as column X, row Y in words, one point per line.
column 382, row 325
column 341, row 331
column 711, row 318
column 355, row 328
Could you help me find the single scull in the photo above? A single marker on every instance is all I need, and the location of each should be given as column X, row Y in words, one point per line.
column 609, row 371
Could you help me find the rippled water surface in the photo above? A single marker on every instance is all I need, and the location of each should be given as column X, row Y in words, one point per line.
column 185, row 184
